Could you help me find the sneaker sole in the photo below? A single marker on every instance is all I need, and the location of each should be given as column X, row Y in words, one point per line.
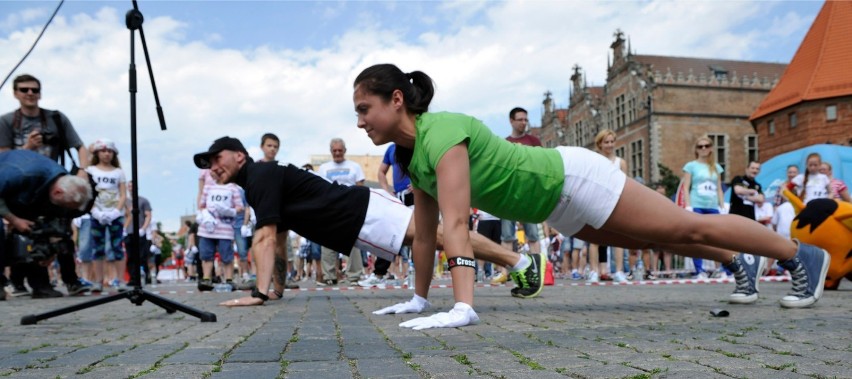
column 807, row 302
column 749, row 299
column 734, row 299
column 542, row 264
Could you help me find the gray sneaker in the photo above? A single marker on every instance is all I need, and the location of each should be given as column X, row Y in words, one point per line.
column 747, row 277
column 807, row 272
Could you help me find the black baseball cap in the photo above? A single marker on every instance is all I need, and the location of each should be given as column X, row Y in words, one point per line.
column 202, row 160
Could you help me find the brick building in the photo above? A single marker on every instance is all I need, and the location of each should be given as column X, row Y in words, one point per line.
column 659, row 105
column 812, row 103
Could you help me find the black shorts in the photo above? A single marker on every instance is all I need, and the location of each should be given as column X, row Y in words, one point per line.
column 491, row 229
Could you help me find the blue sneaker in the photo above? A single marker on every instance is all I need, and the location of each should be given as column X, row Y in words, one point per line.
column 747, row 277
column 807, row 272
column 576, row 276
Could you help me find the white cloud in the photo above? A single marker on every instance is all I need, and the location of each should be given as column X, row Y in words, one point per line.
column 496, row 56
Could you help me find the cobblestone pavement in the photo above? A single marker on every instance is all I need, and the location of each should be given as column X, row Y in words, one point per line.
column 635, row 331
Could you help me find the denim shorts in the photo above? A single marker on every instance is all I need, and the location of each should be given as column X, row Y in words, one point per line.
column 207, row 248
column 84, row 240
column 242, row 244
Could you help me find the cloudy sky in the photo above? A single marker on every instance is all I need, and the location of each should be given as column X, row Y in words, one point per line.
column 246, row 68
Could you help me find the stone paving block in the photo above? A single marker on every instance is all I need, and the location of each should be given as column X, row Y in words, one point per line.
column 438, row 365
column 823, row 370
column 115, row 371
column 36, row 357
column 385, row 368
column 196, row 355
column 313, row 350
column 328, row 369
column 728, row 364
column 143, row 354
column 90, row 355
column 255, row 354
column 362, row 351
column 763, row 373
column 180, row 371
column 676, row 374
column 248, row 370
column 604, row 371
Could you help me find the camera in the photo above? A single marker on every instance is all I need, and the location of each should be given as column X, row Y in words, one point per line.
column 48, row 137
column 47, row 238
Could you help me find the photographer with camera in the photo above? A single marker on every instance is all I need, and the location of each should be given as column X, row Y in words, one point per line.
column 50, row 134
column 36, row 196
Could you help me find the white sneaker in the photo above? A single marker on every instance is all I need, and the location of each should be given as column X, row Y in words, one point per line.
column 593, row 277
column 701, row 276
column 373, row 281
column 619, row 277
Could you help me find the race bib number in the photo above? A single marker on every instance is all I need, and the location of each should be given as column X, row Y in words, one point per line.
column 816, row 192
column 707, row 188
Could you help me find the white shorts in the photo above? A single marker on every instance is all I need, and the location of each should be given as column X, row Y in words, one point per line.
column 385, row 225
column 592, row 187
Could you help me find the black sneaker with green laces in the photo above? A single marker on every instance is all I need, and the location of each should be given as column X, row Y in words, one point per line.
column 530, row 280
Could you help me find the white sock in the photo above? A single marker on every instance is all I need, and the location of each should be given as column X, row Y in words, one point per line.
column 522, row 263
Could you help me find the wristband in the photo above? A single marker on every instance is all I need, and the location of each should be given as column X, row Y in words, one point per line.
column 260, row 295
column 461, row 261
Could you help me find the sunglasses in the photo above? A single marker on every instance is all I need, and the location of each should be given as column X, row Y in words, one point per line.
column 29, row 89
column 703, row 146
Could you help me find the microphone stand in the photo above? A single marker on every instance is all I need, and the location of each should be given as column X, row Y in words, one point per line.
column 137, row 295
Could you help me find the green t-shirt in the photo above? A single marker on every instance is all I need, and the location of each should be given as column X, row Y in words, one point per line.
column 508, row 180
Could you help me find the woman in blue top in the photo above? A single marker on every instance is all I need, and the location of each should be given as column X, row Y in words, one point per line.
column 455, row 163
column 703, row 177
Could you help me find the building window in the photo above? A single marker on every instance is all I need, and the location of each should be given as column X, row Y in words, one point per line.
column 771, row 124
column 622, row 112
column 620, row 152
column 831, row 112
column 751, row 148
column 720, row 143
column 793, row 120
column 637, row 164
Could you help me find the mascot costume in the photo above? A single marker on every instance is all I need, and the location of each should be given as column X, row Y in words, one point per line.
column 826, row 223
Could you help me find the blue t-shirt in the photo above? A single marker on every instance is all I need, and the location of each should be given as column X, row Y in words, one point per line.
column 400, row 180
column 703, row 192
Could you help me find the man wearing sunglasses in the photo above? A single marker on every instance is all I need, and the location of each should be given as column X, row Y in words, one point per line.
column 48, row 133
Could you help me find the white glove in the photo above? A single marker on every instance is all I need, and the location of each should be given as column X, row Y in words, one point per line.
column 223, row 211
column 417, row 304
column 245, row 230
column 461, row 315
column 193, row 250
column 97, row 214
column 117, row 214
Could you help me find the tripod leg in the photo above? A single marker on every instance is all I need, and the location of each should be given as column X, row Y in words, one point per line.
column 32, row 319
column 166, row 304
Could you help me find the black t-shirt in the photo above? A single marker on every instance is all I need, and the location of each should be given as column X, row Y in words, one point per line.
column 738, row 207
column 327, row 213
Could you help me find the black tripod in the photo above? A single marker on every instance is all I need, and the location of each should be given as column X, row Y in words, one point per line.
column 137, row 295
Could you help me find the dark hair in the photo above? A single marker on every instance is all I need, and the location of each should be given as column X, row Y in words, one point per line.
column 269, row 136
column 515, row 110
column 417, row 91
column 24, row 78
column 308, row 166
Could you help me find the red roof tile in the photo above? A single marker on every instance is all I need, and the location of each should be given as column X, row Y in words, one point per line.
column 822, row 67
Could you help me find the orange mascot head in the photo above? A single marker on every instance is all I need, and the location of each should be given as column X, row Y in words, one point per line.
column 826, row 223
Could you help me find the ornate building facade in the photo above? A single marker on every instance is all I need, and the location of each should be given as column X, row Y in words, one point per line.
column 659, row 105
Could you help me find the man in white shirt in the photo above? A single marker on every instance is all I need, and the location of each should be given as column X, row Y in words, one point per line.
column 348, row 173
